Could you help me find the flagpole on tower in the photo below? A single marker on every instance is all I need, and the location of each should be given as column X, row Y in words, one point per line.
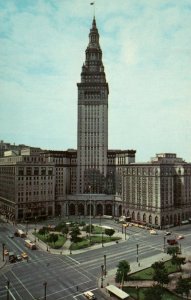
column 93, row 3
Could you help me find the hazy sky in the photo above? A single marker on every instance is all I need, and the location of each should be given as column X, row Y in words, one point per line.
column 146, row 48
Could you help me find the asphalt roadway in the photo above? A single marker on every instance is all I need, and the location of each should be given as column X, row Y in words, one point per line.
column 64, row 276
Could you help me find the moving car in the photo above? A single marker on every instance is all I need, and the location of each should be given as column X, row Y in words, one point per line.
column 172, row 242
column 167, row 233
column 153, row 232
column 180, row 237
column 24, row 255
column 89, row 295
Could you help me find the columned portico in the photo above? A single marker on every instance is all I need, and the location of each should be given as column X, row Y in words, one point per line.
column 79, row 205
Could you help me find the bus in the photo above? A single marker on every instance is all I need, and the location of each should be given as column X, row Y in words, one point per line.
column 20, row 233
column 30, row 245
column 115, row 291
column 89, row 295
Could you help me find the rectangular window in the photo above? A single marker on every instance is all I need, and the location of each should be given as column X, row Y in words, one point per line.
column 28, row 171
column 36, row 171
column 21, row 171
column 43, row 171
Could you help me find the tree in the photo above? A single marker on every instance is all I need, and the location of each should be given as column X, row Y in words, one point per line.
column 88, row 228
column 65, row 230
column 109, row 232
column 178, row 261
column 43, row 230
column 155, row 292
column 183, row 286
column 75, row 232
column 123, row 269
column 173, row 251
column 53, row 238
column 160, row 273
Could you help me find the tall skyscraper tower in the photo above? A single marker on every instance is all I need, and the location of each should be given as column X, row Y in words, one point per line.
column 92, row 144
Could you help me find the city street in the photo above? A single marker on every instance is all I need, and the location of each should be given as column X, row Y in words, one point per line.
column 68, row 276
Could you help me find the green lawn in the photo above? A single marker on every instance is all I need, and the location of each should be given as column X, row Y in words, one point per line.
column 95, row 239
column 139, row 294
column 147, row 274
column 59, row 243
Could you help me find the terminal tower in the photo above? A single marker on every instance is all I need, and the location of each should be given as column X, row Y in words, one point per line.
column 92, row 143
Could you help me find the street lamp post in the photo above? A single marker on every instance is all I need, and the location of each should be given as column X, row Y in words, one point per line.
column 26, row 227
column 102, row 266
column 35, row 229
column 90, row 215
column 102, row 239
column 3, row 251
column 45, row 285
column 164, row 242
column 180, row 248
column 35, row 235
column 137, row 289
column 8, row 286
column 105, row 271
column 137, row 253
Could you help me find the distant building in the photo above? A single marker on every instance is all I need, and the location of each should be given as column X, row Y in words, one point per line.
column 4, row 147
column 27, row 186
column 157, row 193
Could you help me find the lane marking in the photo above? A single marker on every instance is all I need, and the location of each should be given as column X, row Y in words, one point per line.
column 13, row 288
column 22, row 284
column 68, row 288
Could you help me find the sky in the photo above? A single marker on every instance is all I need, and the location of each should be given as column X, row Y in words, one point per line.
column 146, row 47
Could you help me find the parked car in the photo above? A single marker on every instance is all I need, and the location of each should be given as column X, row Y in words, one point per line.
column 180, row 237
column 12, row 257
column 11, row 236
column 6, row 252
column 19, row 257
